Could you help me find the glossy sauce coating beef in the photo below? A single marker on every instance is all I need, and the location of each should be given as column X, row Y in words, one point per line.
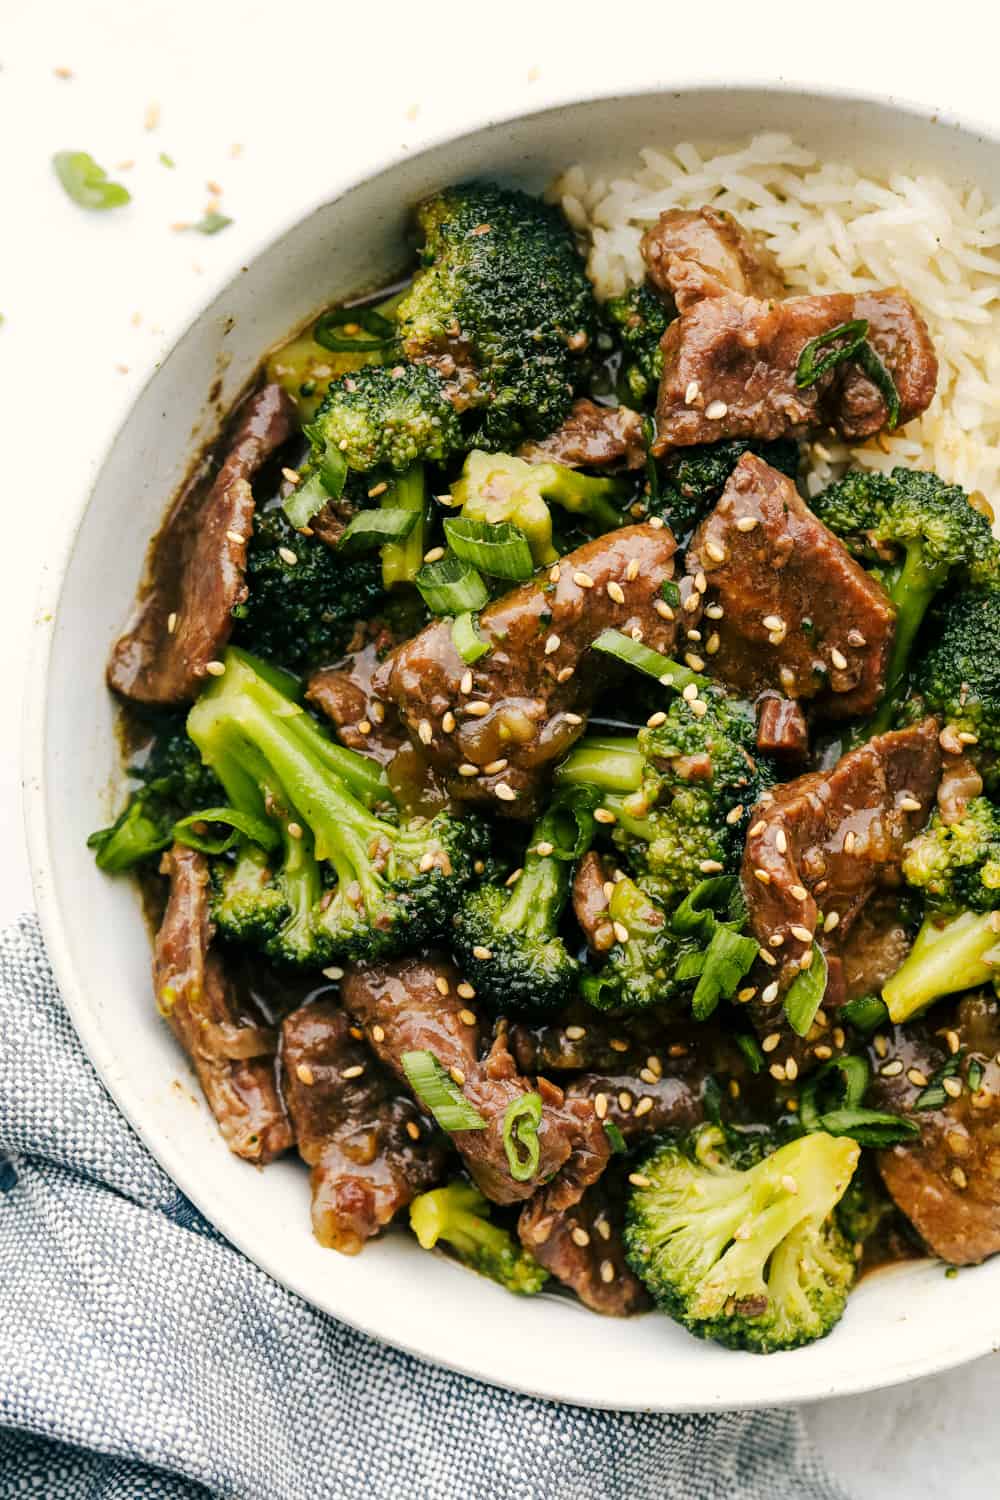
column 782, row 730
column 730, row 362
column 196, row 567
column 583, row 1247
column 947, row 1183
column 592, row 437
column 231, row 1050
column 413, row 1005
column 716, row 242
column 799, row 614
column 495, row 727
column 370, row 1149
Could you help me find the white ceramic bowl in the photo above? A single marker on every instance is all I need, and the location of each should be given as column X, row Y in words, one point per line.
column 900, row 1323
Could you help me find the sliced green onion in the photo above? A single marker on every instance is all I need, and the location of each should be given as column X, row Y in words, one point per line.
column 380, row 331
column 652, row 474
column 241, row 825
column 302, row 504
column 499, row 548
column 451, row 586
column 690, row 965
column 812, row 364
column 520, row 1136
column 645, row 659
column 697, row 912
column 727, row 959
column 133, row 836
column 848, row 1075
column 569, row 822
column 865, row 1014
column 401, row 561
column 370, row 528
column 869, row 1127
column 750, row 1047
column 326, row 482
column 611, row 763
column 439, row 1093
column 615, row 1138
column 935, row 1096
column 974, row 1076
column 805, row 993
column 466, row 638
column 670, row 592
column 880, row 377
column 87, row 183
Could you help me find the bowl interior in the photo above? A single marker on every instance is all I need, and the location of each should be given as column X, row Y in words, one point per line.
column 901, row 1322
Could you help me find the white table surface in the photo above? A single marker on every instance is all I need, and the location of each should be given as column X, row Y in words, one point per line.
column 90, row 301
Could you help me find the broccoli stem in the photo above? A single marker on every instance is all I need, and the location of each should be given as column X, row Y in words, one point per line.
column 958, row 955
column 401, row 561
column 584, row 494
column 912, row 593
column 615, row 764
column 457, row 1213
column 538, row 895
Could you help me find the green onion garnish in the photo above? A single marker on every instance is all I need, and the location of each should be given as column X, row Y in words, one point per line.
column 645, row 659
column 697, row 912
column 812, row 364
column 750, row 1047
column 499, row 548
column 935, row 1095
column 865, row 1014
column 879, row 376
column 671, row 592
column 380, row 331
column 520, row 1136
column 451, row 586
column 652, row 475
column 974, row 1076
column 87, row 183
column 869, row 1127
column 370, row 528
column 805, row 993
column 728, row 957
column 615, row 1138
column 466, row 639
column 302, row 504
column 440, row 1093
column 240, row 824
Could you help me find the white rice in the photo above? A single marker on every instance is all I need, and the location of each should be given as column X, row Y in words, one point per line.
column 834, row 230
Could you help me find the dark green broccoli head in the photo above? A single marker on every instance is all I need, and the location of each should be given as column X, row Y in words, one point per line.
column 269, row 901
column 388, row 416
column 748, row 1255
column 299, row 612
column 639, row 970
column 959, row 675
column 173, row 783
column 957, row 865
column 458, row 1215
column 638, row 320
column 504, row 290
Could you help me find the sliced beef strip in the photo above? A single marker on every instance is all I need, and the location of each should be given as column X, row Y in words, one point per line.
column 521, row 706
column 782, row 730
column 196, row 567
column 799, row 614
column 370, row 1149
column 590, row 902
column 729, row 364
column 960, row 783
column 592, row 437
column 583, row 1247
column 716, row 242
column 641, row 1106
column 231, row 1049
column 402, row 1009
column 948, row 1182
column 827, row 841
column 346, row 696
column 584, row 1038
column 873, row 948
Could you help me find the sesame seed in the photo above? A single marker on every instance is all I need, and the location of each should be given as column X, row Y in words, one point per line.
column 544, row 848
column 771, row 1042
column 953, row 1040
column 604, row 815
column 788, row 1181
column 952, row 1087
column 891, row 1069
column 830, row 920
column 823, row 1052
column 655, row 720
column 648, row 1076
column 770, row 992
column 504, row 792
column 746, row 523
column 621, row 931
column 734, row 814
column 600, row 1105
column 554, row 573
column 465, row 686
column 691, row 393
column 552, row 645
column 618, row 1044
column 564, row 674
column 288, row 556
column 714, row 611
column 334, row 972
column 773, row 622
column 690, row 693
column 802, row 933
column 762, row 876
column 716, row 410
column 639, row 1179
column 434, row 555
column 413, row 1130
column 237, row 538
column 448, row 721
column 791, row 1069
column 713, row 643
column 625, row 1101
column 967, row 737
column 700, row 582
column 477, row 709
column 378, row 1034
column 918, row 1079
column 838, row 658
column 694, row 635
column 305, row 1074
column 777, row 1072
column 494, row 767
column 378, row 714
column 482, row 953
column 607, row 1271
column 579, row 1236
column 663, row 609
column 171, row 622
column 632, row 571
column 354, row 1072
column 696, row 663
column 850, row 839
column 767, row 958
column 573, row 719
column 881, row 1045
column 909, row 804
column 715, row 552
column 710, row 866
column 583, row 580
column 426, row 862
column 425, row 731
column 576, row 1033
column 691, row 603
column 295, row 830
column 377, row 489
column 514, row 876
column 215, row 668
column 798, row 892
column 616, row 592
column 457, row 1076
column 855, row 638
column 959, row 1178
column 757, row 829
column 746, row 994
column 363, row 726
column 781, row 841
column 468, row 769
column 441, row 985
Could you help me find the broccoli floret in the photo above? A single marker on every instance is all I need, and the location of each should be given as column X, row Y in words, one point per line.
column 529, row 967
column 387, row 416
column 959, row 675
column 749, row 1256
column 504, row 294
column 298, row 612
column 675, row 790
column 305, row 366
column 692, row 479
column 948, row 955
column 459, row 1214
column 640, row 968
column 932, row 531
column 865, row 1206
column 639, row 319
column 270, row 901
column 173, row 783
column 500, row 487
column 396, row 882
column 957, row 865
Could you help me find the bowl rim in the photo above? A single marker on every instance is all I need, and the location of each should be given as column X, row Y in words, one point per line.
column 35, row 791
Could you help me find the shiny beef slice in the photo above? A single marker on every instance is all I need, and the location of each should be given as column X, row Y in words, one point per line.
column 370, row 1149
column 716, row 242
column 583, row 1248
column 799, row 615
column 592, row 437
column 730, row 364
column 413, row 1005
column 493, row 728
column 196, row 567
column 231, row 1049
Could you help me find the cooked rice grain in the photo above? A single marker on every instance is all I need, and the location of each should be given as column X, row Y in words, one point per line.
column 833, row 229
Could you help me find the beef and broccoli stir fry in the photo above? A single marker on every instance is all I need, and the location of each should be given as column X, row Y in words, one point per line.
column 574, row 844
